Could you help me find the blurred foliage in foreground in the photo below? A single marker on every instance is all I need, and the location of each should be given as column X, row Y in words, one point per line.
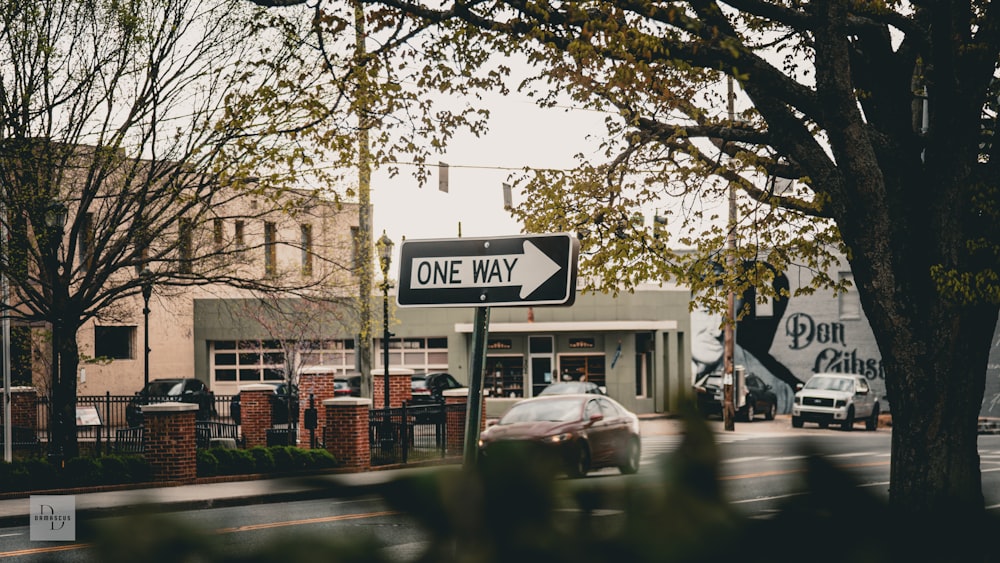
column 514, row 509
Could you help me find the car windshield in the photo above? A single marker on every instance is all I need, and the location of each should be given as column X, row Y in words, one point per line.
column 830, row 383
column 165, row 388
column 565, row 388
column 418, row 384
column 565, row 410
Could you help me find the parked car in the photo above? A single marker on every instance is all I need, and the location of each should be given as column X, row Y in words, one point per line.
column 830, row 398
column 283, row 402
column 572, row 388
column 347, row 386
column 708, row 394
column 182, row 389
column 582, row 432
column 758, row 398
column 428, row 388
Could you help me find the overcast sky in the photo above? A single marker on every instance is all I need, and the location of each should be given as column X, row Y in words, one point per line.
column 521, row 134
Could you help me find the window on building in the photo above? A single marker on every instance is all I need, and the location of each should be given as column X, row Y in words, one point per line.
column 270, row 249
column 238, row 234
column 185, row 249
column 582, row 368
column 335, row 353
column 114, row 342
column 247, row 360
column 307, row 250
column 415, row 353
column 849, row 301
column 86, row 248
column 218, row 236
column 355, row 247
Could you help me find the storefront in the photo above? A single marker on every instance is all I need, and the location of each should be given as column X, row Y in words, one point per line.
column 633, row 345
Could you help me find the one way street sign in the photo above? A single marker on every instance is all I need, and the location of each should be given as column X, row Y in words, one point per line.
column 488, row 272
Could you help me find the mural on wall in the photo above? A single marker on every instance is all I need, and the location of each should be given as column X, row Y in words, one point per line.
column 827, row 343
column 804, row 335
column 755, row 336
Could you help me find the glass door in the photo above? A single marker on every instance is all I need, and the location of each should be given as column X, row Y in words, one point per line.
column 541, row 361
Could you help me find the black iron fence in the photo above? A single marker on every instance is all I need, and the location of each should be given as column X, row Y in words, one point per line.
column 409, row 433
column 398, row 435
column 102, row 417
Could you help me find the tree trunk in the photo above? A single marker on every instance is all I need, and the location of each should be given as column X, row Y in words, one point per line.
column 935, row 354
column 63, row 442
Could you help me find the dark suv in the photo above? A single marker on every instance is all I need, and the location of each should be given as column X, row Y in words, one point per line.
column 428, row 388
column 283, row 403
column 181, row 389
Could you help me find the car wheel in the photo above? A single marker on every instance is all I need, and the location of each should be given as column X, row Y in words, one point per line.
column 872, row 422
column 633, row 453
column 848, row 423
column 749, row 414
column 581, row 462
column 772, row 411
column 796, row 422
column 824, row 424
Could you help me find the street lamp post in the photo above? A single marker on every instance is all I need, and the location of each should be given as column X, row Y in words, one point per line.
column 63, row 404
column 146, row 278
column 385, row 245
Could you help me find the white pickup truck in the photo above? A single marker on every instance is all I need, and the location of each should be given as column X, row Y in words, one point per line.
column 836, row 398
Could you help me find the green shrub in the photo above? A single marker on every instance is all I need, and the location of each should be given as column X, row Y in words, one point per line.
column 83, row 472
column 139, row 469
column 321, row 459
column 234, row 462
column 114, row 470
column 207, row 465
column 300, row 459
column 263, row 459
column 40, row 474
column 283, row 460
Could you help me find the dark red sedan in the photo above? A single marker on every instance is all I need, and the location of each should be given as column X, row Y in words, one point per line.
column 583, row 432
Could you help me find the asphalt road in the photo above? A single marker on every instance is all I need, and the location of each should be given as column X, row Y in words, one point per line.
column 760, row 467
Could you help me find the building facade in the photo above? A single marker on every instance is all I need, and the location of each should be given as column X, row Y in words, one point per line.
column 633, row 345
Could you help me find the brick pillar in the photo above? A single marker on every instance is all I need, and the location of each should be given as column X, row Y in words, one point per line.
column 400, row 388
column 346, row 435
column 169, row 440
column 255, row 413
column 456, row 405
column 23, row 407
column 320, row 385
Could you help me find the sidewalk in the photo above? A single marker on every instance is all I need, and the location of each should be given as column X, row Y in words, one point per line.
column 15, row 511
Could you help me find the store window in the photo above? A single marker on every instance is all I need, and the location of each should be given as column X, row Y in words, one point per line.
column 583, row 368
column 504, row 376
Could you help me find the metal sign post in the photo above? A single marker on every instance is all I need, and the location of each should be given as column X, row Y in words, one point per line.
column 474, row 404
column 483, row 273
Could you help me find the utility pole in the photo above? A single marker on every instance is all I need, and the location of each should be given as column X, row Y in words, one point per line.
column 728, row 407
column 364, row 241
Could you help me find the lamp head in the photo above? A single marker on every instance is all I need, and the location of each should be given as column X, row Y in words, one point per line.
column 56, row 215
column 385, row 245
